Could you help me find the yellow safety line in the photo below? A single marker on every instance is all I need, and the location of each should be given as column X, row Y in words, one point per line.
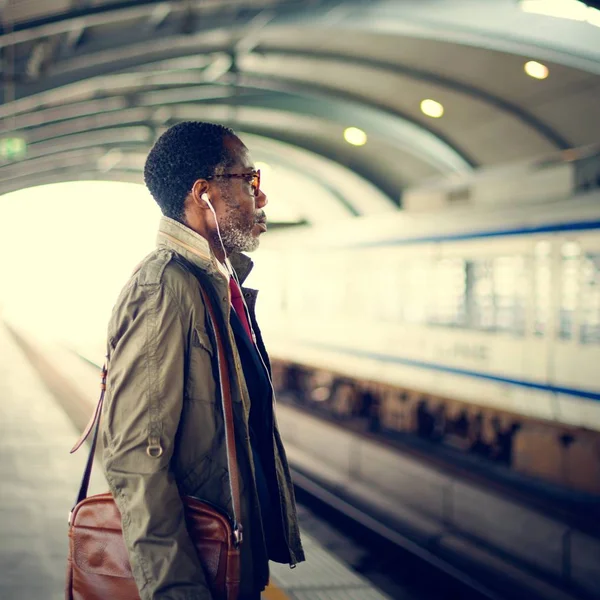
column 272, row 592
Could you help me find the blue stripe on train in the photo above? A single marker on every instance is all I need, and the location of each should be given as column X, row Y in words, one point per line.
column 454, row 237
column 588, row 395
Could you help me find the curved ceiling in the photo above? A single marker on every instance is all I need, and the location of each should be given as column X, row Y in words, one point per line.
column 86, row 78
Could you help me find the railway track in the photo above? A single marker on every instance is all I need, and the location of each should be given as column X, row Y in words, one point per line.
column 576, row 509
column 397, row 566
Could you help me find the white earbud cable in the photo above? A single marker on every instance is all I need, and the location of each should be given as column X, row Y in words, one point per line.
column 231, row 272
column 212, row 210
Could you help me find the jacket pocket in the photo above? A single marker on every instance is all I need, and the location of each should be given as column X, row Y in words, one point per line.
column 201, row 340
column 200, row 384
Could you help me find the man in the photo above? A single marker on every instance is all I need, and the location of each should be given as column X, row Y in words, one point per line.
column 163, row 430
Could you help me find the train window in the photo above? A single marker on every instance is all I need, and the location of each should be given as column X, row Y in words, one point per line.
column 416, row 292
column 480, row 289
column 542, row 287
column 448, row 298
column 571, row 253
column 590, row 299
column 496, row 294
column 509, row 294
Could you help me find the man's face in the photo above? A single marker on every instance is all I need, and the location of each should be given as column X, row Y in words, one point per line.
column 240, row 215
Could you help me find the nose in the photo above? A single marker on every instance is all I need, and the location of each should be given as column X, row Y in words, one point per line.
column 261, row 199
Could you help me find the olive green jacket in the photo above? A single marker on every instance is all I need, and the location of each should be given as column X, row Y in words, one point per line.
column 161, row 392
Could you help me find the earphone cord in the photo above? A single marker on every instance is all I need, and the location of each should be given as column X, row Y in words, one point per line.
column 212, row 210
column 231, row 272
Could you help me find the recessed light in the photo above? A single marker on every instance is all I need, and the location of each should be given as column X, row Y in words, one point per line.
column 431, row 108
column 536, row 70
column 355, row 136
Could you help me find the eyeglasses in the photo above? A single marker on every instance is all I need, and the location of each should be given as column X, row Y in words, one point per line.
column 253, row 178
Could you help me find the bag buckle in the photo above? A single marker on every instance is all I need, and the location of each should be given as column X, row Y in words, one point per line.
column 238, row 535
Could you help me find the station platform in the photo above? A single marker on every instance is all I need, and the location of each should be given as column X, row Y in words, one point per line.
column 40, row 480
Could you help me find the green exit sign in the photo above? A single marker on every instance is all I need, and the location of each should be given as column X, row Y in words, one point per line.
column 13, row 148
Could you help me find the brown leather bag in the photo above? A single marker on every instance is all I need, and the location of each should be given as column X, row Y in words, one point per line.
column 98, row 564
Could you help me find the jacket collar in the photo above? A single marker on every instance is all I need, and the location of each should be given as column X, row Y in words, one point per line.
column 242, row 265
column 195, row 248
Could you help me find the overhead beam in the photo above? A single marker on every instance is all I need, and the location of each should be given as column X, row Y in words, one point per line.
column 355, row 14
column 385, row 122
column 118, row 136
column 106, row 14
column 398, row 131
column 469, row 90
column 128, row 136
column 250, row 36
column 134, row 56
column 66, row 175
column 67, row 135
column 158, row 16
column 71, row 41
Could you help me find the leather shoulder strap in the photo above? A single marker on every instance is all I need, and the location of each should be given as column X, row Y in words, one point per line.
column 95, row 415
column 225, row 388
column 93, row 424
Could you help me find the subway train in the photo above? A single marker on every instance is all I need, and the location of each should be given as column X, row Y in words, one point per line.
column 471, row 318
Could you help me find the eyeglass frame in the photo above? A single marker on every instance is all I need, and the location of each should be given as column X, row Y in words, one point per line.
column 253, row 174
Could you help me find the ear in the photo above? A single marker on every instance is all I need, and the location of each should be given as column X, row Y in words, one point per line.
column 199, row 193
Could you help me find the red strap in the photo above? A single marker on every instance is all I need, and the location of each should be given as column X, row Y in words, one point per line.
column 238, row 304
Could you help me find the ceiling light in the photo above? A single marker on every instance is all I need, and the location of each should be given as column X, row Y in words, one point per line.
column 109, row 160
column 355, row 136
column 563, row 9
column 431, row 108
column 536, row 70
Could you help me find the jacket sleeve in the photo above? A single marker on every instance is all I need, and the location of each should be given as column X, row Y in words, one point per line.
column 143, row 405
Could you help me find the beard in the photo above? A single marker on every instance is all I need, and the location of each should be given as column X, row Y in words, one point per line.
column 236, row 230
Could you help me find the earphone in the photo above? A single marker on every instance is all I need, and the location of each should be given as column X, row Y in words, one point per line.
column 212, row 210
